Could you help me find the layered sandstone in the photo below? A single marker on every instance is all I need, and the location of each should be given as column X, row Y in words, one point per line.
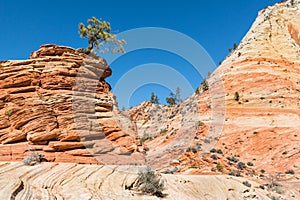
column 261, row 126
column 58, row 103
column 75, row 181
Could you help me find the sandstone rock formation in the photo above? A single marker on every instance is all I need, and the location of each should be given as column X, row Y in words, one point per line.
column 260, row 127
column 76, row 181
column 58, row 103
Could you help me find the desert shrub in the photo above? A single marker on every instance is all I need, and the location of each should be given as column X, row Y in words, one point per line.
column 219, row 151
column 206, row 141
column 194, row 150
column 219, row 167
column 231, row 173
column 274, row 198
column 199, row 123
column 278, row 190
column 290, row 171
column 233, row 159
column 249, row 163
column 241, row 165
column 236, row 96
column 33, row 159
column 246, row 183
column 214, row 157
column 8, row 112
column 213, row 150
column 167, row 171
column 145, row 137
column 262, row 171
column 149, row 182
column 204, row 85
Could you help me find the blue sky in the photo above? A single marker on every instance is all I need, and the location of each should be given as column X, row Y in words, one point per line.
column 216, row 25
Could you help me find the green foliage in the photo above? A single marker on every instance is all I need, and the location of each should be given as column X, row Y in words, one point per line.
column 214, row 157
column 194, row 150
column 219, row 151
column 8, row 112
column 249, row 163
column 236, row 96
column 290, row 171
column 235, row 46
column 149, row 182
column 199, row 123
column 246, row 183
column 172, row 99
column 213, row 150
column 241, row 165
column 154, row 98
column 219, row 167
column 98, row 33
column 146, row 137
column 233, row 159
column 197, row 90
column 204, row 85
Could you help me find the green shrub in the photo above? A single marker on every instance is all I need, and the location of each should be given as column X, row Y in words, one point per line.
column 219, row 167
column 219, row 151
column 213, row 150
column 149, row 182
column 249, row 163
column 241, row 165
column 204, row 85
column 246, row 183
column 236, row 96
column 214, row 157
column 290, row 171
column 194, row 150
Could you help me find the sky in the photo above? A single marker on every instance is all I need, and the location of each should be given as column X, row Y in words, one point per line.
column 157, row 59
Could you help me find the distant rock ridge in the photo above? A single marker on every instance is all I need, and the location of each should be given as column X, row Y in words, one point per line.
column 260, row 126
column 58, row 103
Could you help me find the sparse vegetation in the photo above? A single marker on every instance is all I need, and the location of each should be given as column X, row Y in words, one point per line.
column 241, row 165
column 213, row 150
column 250, row 164
column 236, row 96
column 290, row 171
column 146, row 137
column 98, row 33
column 154, row 98
column 33, row 159
column 219, row 167
column 214, row 157
column 233, row 159
column 8, row 112
column 194, row 150
column 199, row 123
column 204, row 85
column 149, row 182
column 246, row 183
column 172, row 99
column 219, row 151
column 206, row 141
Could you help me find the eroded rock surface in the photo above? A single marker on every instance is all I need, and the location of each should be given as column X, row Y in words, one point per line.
column 58, row 103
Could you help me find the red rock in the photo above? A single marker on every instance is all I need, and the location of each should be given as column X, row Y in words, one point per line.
column 44, row 106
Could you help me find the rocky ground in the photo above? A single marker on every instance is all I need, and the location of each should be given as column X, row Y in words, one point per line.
column 78, row 181
column 245, row 127
column 260, row 126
